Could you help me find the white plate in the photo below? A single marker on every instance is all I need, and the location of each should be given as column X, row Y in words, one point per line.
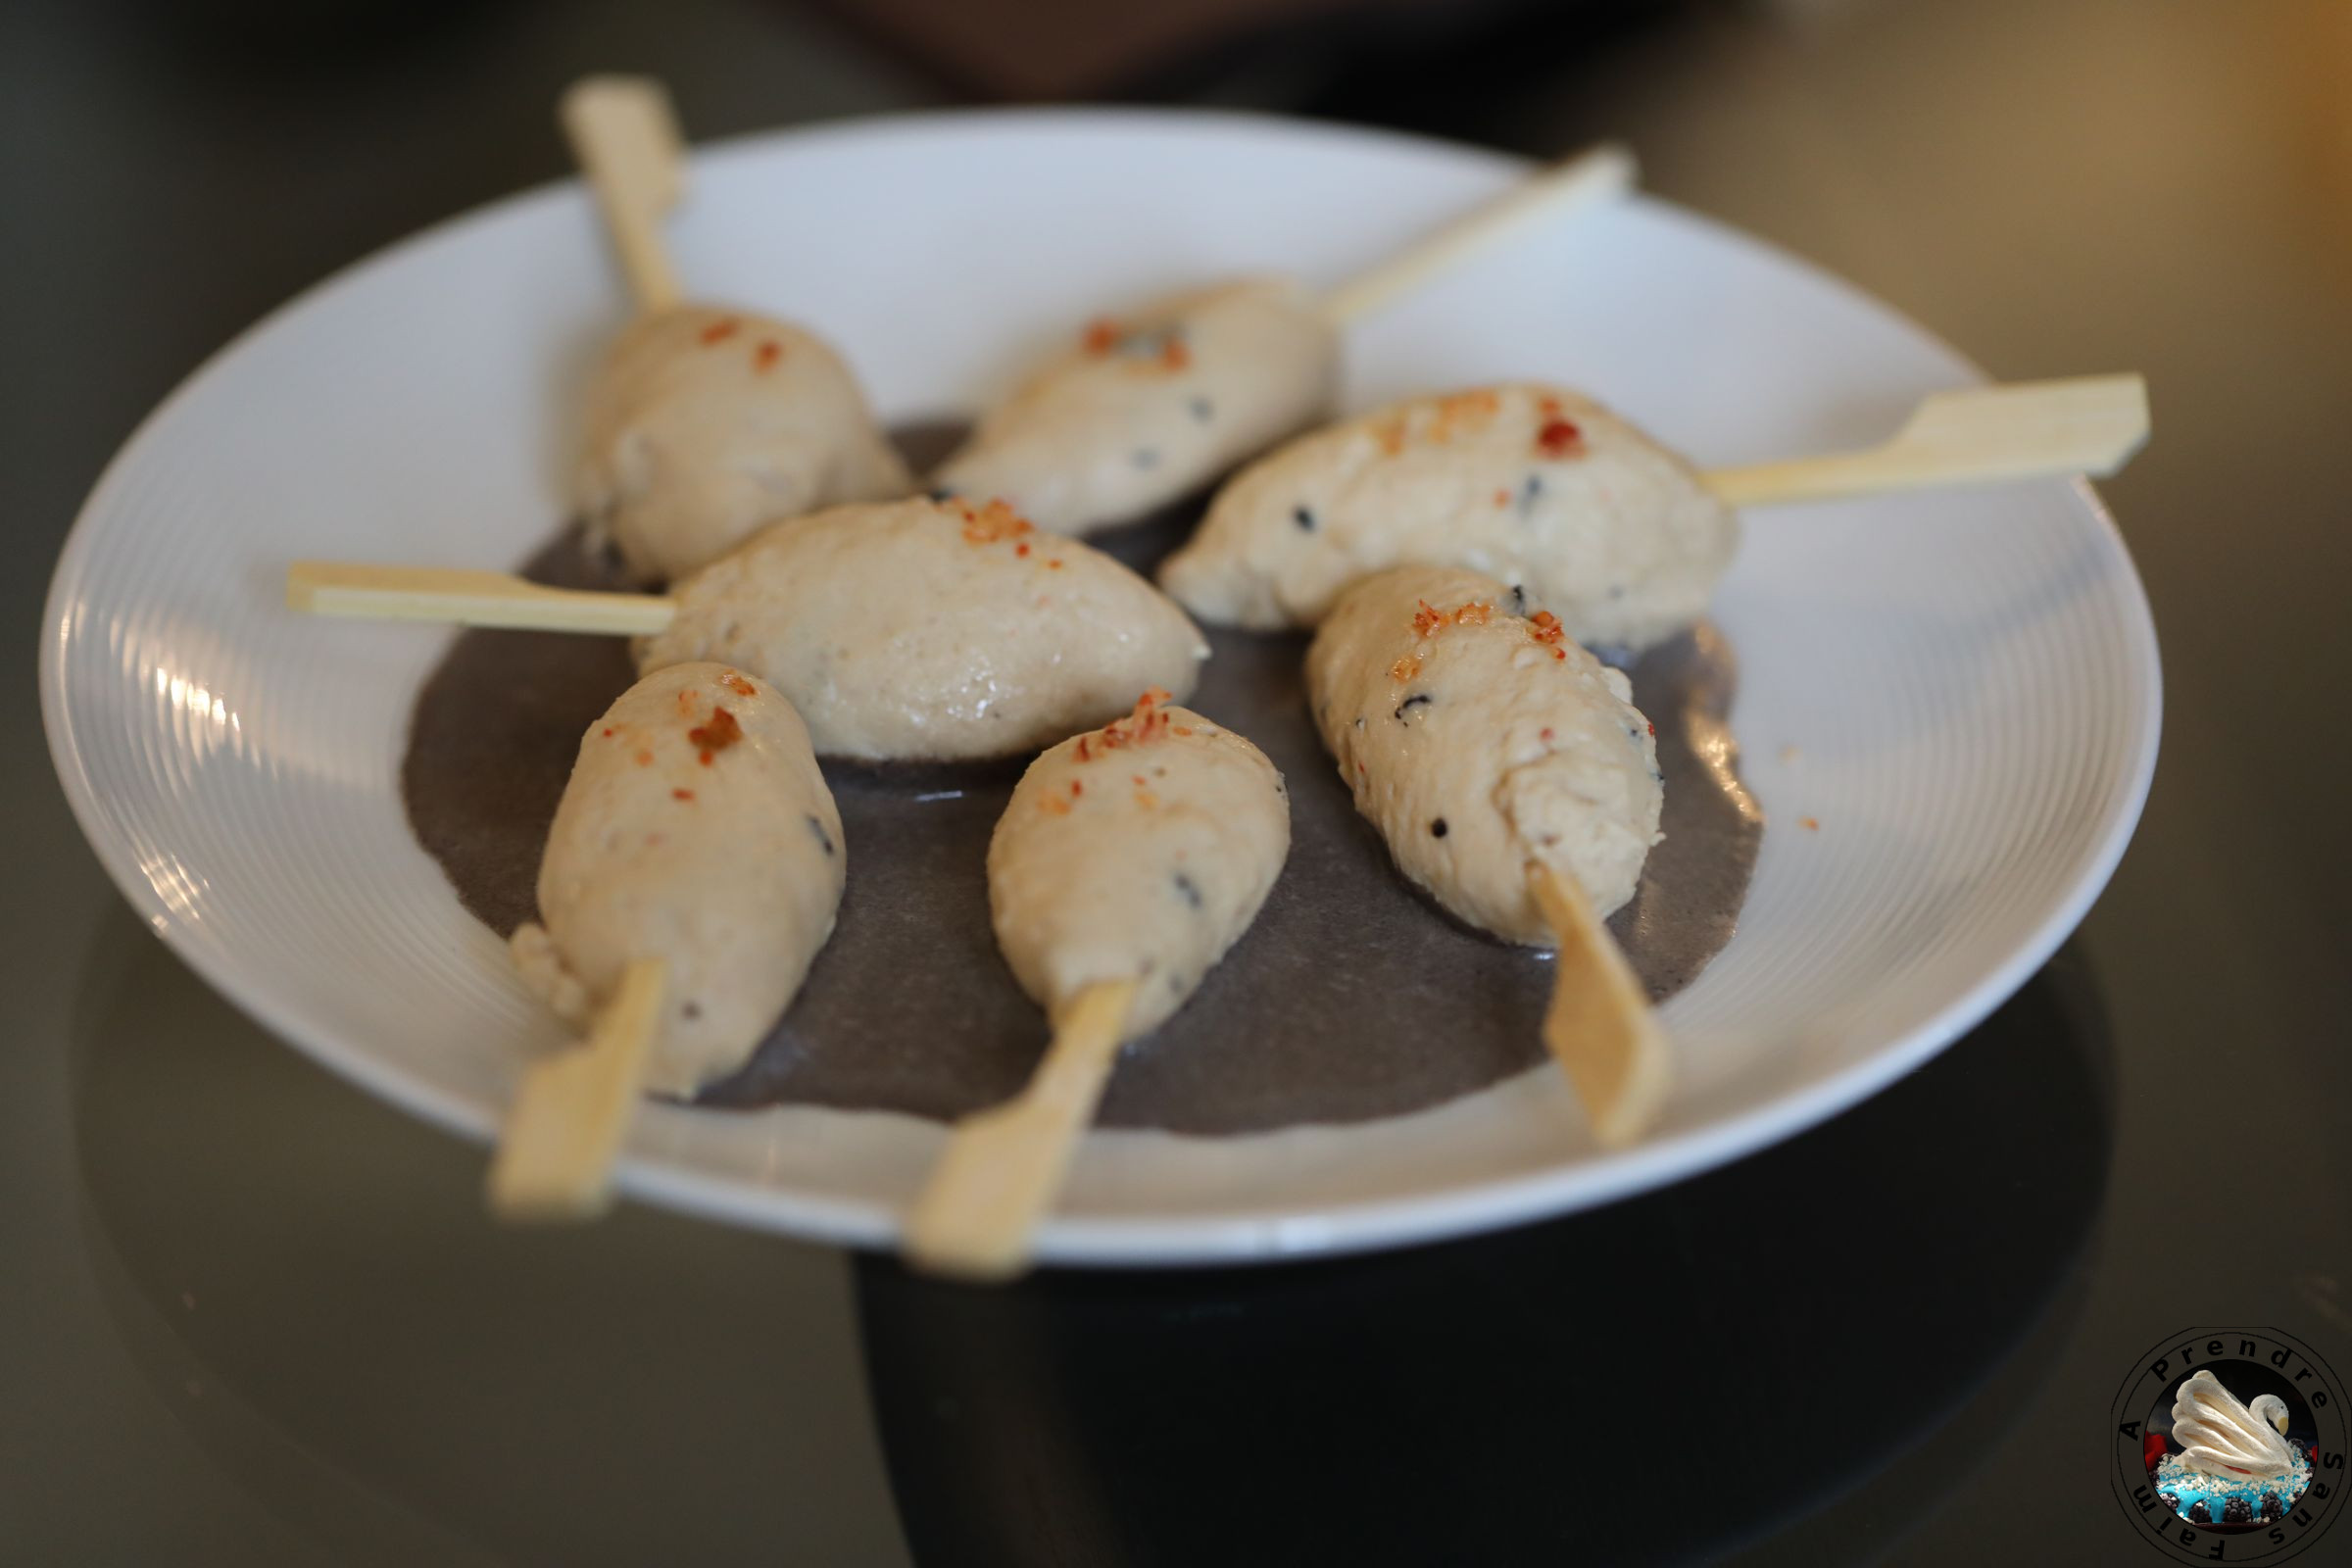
column 1961, row 688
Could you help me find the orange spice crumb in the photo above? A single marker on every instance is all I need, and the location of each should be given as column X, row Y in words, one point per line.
column 1808, row 824
column 644, row 758
column 1145, row 799
column 1100, row 336
column 1054, row 805
column 681, row 795
column 716, row 734
column 1021, row 549
column 1180, row 729
column 1503, row 498
column 1560, row 438
column 1427, row 620
column 1139, row 726
column 1081, row 751
column 994, row 521
column 721, row 331
column 738, row 685
column 1174, row 355
column 1404, row 668
column 766, row 355
column 1544, row 627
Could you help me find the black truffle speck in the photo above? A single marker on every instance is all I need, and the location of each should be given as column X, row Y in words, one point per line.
column 1303, row 517
column 1436, row 828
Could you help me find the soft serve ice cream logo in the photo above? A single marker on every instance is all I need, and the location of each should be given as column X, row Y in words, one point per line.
column 2231, row 1446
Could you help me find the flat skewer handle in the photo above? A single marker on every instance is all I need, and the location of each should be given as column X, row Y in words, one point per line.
column 555, row 1160
column 459, row 596
column 1003, row 1166
column 1600, row 1026
column 2089, row 425
column 624, row 136
column 1585, row 180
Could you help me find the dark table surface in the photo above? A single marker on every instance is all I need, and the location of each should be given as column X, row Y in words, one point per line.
column 252, row 1316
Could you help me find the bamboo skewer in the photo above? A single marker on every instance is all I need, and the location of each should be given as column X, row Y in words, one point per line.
column 1599, row 1026
column 2089, row 425
column 1003, row 1166
column 555, row 1159
column 460, row 596
column 624, row 135
column 1589, row 177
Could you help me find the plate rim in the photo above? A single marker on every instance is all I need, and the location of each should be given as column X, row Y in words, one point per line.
column 1460, row 1209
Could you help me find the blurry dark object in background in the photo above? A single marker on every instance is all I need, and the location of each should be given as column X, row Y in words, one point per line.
column 1046, row 49
column 269, row 36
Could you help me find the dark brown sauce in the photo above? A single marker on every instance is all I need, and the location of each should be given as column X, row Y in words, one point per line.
column 1352, row 997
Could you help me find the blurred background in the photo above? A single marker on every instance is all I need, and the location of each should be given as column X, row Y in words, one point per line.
column 251, row 1316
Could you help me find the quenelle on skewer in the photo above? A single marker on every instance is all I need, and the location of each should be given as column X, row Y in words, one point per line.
column 910, row 630
column 702, row 422
column 1516, row 783
column 692, row 872
column 1601, row 525
column 1127, row 862
column 1147, row 407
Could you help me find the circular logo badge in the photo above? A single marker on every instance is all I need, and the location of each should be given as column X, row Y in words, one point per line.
column 2231, row 1446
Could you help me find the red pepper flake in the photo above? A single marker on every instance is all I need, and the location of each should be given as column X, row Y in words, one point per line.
column 1139, row 779
column 1546, row 733
column 1560, row 654
column 1560, row 438
column 681, row 795
column 738, row 685
column 608, row 732
column 1054, row 563
column 1077, row 787
column 1083, row 756
column 1174, row 355
column 1808, row 824
column 721, row 331
column 1021, row 549
column 644, row 758
column 685, row 702
column 993, row 523
column 1404, row 668
column 1102, row 335
column 716, row 735
column 766, row 355
column 1139, row 726
column 1654, row 730
column 1360, row 768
